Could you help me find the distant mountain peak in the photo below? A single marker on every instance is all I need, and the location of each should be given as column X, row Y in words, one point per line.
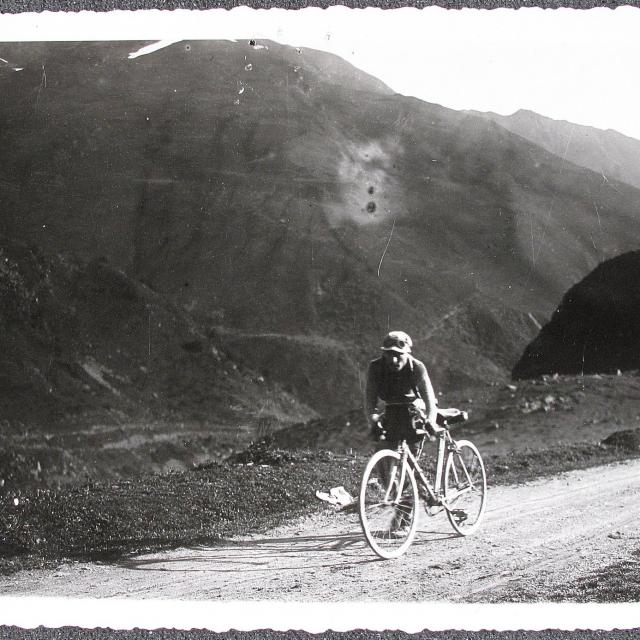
column 606, row 152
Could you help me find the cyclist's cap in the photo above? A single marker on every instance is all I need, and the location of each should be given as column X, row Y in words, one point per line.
column 397, row 341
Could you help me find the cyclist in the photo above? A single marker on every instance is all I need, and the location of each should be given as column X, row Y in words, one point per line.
column 402, row 383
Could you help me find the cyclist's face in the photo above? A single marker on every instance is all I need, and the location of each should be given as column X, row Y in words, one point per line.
column 395, row 360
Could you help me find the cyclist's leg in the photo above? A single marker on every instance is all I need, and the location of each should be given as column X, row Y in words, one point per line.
column 390, row 473
column 398, row 423
column 415, row 446
column 389, row 465
column 399, row 428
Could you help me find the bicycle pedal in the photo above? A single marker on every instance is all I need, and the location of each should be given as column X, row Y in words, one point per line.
column 459, row 514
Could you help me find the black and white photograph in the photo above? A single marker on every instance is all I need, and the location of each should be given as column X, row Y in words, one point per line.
column 321, row 312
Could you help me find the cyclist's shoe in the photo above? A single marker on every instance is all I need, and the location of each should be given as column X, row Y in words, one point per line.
column 432, row 506
column 400, row 526
column 434, row 510
column 426, row 497
column 431, row 502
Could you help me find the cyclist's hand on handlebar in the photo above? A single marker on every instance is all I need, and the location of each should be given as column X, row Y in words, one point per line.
column 435, row 430
column 378, row 433
column 377, row 430
column 430, row 431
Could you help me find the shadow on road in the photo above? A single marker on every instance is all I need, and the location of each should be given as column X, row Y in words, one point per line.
column 342, row 550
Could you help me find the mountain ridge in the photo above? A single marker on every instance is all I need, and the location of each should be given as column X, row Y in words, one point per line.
column 606, row 151
column 265, row 196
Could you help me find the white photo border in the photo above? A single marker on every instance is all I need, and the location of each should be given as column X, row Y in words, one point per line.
column 27, row 612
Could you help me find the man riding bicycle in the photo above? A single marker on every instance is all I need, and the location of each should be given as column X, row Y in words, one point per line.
column 394, row 482
column 402, row 383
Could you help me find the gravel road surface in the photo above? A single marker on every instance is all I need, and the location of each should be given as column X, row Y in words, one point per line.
column 542, row 535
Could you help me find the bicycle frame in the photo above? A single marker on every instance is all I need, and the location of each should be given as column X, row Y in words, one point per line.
column 445, row 444
column 393, row 485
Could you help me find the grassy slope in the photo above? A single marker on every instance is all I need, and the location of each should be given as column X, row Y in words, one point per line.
column 218, row 501
column 101, row 376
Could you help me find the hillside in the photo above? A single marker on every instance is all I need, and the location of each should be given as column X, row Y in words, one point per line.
column 291, row 199
column 595, row 328
column 609, row 153
column 101, row 375
column 520, row 418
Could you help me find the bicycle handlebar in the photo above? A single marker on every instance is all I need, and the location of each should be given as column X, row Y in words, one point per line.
column 446, row 419
column 435, row 431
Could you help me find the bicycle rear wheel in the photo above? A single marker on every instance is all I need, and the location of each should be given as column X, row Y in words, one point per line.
column 388, row 504
column 465, row 487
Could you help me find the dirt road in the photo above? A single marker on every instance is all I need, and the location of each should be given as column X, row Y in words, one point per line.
column 540, row 535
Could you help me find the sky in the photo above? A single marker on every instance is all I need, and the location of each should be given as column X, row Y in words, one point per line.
column 576, row 65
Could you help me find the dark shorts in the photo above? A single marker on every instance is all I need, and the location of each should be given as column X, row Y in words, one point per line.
column 398, row 425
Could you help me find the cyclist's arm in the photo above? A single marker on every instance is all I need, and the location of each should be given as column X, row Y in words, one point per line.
column 370, row 396
column 425, row 389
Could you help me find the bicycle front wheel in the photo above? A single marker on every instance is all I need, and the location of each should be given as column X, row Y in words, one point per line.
column 465, row 487
column 388, row 504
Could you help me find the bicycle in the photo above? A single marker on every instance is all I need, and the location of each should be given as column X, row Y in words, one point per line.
column 389, row 498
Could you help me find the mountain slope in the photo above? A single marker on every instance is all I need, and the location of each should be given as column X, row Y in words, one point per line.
column 82, row 342
column 281, row 191
column 609, row 153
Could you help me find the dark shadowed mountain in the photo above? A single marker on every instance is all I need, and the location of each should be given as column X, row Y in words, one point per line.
column 299, row 205
column 595, row 328
column 609, row 153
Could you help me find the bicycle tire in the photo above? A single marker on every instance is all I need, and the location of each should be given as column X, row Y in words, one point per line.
column 465, row 487
column 388, row 504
